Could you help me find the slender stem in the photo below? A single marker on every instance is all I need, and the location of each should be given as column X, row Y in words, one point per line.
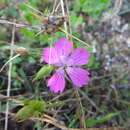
column 91, row 101
column 81, row 106
column 29, row 6
column 9, row 61
column 54, row 7
column 63, row 13
column 57, row 7
column 87, row 44
column 9, row 79
column 2, row 21
column 68, row 16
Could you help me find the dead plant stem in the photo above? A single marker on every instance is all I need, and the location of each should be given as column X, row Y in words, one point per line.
column 9, row 79
column 63, row 13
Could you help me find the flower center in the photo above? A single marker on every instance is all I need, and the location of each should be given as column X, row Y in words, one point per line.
column 65, row 60
column 60, row 70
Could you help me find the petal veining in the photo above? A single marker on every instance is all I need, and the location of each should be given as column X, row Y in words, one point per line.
column 63, row 47
column 79, row 77
column 57, row 81
column 50, row 56
column 79, row 57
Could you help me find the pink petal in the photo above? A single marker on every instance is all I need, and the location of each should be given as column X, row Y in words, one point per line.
column 78, row 76
column 57, row 81
column 63, row 47
column 79, row 57
column 50, row 56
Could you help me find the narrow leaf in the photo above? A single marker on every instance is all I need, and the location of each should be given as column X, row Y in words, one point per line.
column 44, row 71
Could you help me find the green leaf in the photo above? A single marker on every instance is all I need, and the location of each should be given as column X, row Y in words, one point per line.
column 91, row 60
column 93, row 122
column 29, row 34
column 107, row 117
column 95, row 7
column 24, row 113
column 31, row 108
column 76, row 20
column 37, row 105
column 44, row 71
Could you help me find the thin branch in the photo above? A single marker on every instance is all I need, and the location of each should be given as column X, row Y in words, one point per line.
column 2, row 21
column 68, row 16
column 53, row 122
column 63, row 13
column 12, row 58
column 9, row 78
column 117, row 7
column 87, row 44
column 54, row 7
column 57, row 7
column 29, row 6
column 81, row 106
column 91, row 101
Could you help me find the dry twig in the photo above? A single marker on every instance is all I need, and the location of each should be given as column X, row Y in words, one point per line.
column 9, row 78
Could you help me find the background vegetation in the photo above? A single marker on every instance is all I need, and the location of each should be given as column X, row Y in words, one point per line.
column 104, row 24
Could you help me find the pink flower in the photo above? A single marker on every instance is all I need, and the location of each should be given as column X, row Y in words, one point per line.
column 59, row 55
